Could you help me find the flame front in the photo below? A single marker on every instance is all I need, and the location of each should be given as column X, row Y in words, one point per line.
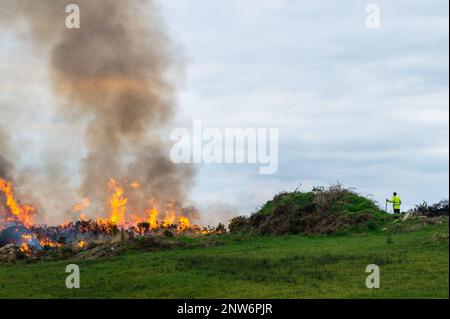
column 169, row 219
column 117, row 205
column 117, row 202
column 49, row 243
column 23, row 213
column 183, row 224
column 32, row 238
column 81, row 244
column 24, row 248
column 153, row 215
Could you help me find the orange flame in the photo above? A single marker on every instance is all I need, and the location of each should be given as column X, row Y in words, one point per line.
column 81, row 244
column 169, row 216
column 24, row 213
column 117, row 202
column 169, row 219
column 183, row 223
column 24, row 248
column 48, row 243
column 153, row 215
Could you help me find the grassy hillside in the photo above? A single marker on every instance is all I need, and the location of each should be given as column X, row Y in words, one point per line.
column 322, row 211
column 413, row 260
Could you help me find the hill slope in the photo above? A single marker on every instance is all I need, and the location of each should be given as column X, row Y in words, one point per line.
column 321, row 211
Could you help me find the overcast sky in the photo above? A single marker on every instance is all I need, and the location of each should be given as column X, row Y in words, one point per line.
column 366, row 107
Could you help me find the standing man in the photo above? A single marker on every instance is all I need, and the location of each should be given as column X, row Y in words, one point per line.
column 396, row 202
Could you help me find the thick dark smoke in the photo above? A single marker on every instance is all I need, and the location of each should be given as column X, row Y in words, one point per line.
column 111, row 76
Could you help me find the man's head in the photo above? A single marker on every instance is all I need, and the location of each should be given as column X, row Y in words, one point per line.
column 395, row 194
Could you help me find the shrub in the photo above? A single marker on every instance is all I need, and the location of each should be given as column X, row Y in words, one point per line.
column 238, row 224
column 439, row 209
column 322, row 211
column 143, row 227
column 220, row 229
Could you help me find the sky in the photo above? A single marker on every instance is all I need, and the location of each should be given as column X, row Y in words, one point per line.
column 364, row 107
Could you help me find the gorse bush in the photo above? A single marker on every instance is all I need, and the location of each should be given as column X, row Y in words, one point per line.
column 321, row 211
column 439, row 209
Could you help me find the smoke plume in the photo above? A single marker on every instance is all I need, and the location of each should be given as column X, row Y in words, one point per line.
column 111, row 77
column 5, row 165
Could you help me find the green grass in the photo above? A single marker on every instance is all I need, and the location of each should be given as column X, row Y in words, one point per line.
column 298, row 199
column 413, row 265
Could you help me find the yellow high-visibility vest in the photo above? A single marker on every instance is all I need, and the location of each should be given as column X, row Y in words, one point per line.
column 396, row 202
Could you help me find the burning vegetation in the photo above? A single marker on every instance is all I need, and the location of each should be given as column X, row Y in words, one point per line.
column 17, row 226
column 114, row 82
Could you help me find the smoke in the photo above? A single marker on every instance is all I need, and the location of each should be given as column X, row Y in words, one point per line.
column 5, row 165
column 111, row 78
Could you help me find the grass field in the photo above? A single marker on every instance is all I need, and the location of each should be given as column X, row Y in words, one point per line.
column 413, row 265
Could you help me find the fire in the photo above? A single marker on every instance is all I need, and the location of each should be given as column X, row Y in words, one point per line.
column 117, row 206
column 205, row 231
column 117, row 202
column 183, row 224
column 48, row 243
column 81, row 244
column 23, row 213
column 27, row 237
column 169, row 220
column 153, row 216
column 24, row 248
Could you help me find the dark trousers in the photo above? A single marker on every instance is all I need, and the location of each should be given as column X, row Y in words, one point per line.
column 396, row 211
